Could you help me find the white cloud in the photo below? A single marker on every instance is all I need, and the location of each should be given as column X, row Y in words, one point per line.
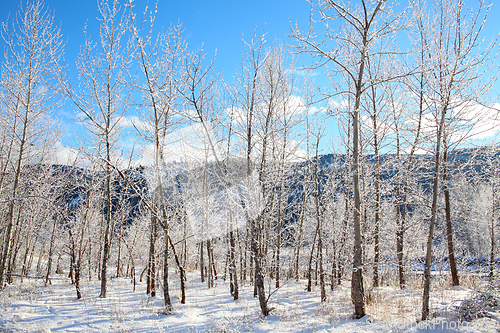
column 189, row 143
column 304, row 71
column 339, row 105
column 134, row 122
column 64, row 155
column 477, row 121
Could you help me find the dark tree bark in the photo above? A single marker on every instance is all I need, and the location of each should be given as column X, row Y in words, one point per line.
column 492, row 229
column 449, row 229
column 435, row 193
column 166, row 295
column 151, row 271
column 202, row 262
column 259, row 278
column 232, row 266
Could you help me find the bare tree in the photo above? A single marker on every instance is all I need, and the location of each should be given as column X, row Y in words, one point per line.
column 457, row 58
column 161, row 61
column 102, row 99
column 361, row 28
column 29, row 74
column 248, row 100
column 377, row 105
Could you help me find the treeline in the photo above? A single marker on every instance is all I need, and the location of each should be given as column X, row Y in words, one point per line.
column 252, row 197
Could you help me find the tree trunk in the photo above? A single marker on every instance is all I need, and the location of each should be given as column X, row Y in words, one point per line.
column 259, row 278
column 335, row 271
column 399, row 244
column 377, row 202
column 435, row 192
column 298, row 244
column 51, row 250
column 166, row 295
column 449, row 229
column 210, row 274
column 492, row 230
column 182, row 272
column 321, row 271
column 118, row 262
column 151, row 272
column 107, row 232
column 278, row 237
column 232, row 266
column 357, row 290
column 309, row 269
column 202, row 263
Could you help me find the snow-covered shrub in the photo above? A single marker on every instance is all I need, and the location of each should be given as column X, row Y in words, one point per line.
column 481, row 305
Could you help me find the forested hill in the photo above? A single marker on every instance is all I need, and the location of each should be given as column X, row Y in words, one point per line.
column 70, row 187
column 75, row 184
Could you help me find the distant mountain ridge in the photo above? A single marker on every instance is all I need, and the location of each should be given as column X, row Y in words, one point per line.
column 74, row 182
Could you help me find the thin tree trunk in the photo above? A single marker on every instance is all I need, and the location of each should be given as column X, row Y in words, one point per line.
column 182, row 272
column 151, row 272
column 298, row 244
column 334, row 265
column 166, row 295
column 202, row 262
column 210, row 275
column 435, row 192
column 449, row 229
column 309, row 269
column 107, row 232
column 321, row 271
column 118, row 262
column 492, row 229
column 377, row 200
column 343, row 238
column 184, row 249
column 357, row 290
column 278, row 237
column 214, row 266
column 399, row 242
column 259, row 278
column 51, row 250
column 232, row 267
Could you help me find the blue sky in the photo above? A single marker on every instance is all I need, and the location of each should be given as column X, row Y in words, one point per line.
column 217, row 25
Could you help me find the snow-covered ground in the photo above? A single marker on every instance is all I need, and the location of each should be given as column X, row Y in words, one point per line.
column 32, row 307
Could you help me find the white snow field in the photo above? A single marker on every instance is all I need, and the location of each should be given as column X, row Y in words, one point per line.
column 30, row 306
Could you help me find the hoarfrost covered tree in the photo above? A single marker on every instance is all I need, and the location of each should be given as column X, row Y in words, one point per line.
column 101, row 97
column 202, row 96
column 493, row 235
column 348, row 49
column 278, row 117
column 247, row 100
column 457, row 61
column 161, row 63
column 266, row 114
column 80, row 221
column 28, row 96
column 377, row 104
column 408, row 115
